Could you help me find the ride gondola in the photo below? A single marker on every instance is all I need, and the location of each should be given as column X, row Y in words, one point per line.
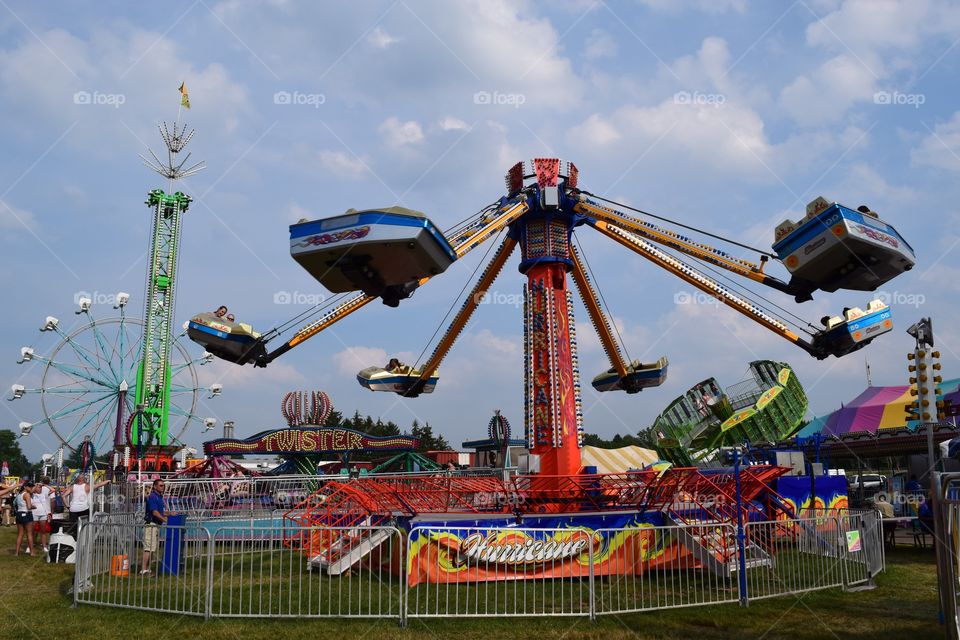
column 381, row 252
column 233, row 341
column 835, row 247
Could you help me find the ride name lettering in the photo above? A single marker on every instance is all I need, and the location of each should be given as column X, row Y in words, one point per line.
column 301, row 440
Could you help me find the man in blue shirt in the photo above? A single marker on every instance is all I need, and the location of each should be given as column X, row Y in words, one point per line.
column 154, row 516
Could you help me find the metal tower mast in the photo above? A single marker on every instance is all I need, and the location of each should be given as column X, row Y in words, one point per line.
column 153, row 376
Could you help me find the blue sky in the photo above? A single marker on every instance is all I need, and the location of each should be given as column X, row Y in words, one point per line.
column 726, row 114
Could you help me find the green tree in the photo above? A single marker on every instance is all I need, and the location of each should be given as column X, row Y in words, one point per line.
column 11, row 452
column 334, row 419
column 428, row 440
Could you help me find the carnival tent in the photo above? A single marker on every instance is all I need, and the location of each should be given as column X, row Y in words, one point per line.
column 617, row 460
column 874, row 409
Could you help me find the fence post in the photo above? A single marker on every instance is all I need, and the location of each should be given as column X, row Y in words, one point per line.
column 78, row 569
column 741, row 535
column 404, row 548
column 591, row 581
column 842, row 546
column 208, row 596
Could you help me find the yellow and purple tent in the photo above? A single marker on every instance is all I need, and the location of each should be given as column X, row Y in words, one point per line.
column 875, row 409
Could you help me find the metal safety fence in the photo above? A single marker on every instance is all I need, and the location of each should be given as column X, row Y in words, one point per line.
column 271, row 568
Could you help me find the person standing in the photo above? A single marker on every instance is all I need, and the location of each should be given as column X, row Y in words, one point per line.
column 42, row 513
column 80, row 499
column 154, row 516
column 23, row 511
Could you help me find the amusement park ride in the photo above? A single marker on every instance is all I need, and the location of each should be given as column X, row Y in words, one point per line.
column 121, row 382
column 389, row 253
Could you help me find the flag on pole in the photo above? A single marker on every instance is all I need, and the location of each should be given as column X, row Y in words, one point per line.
column 184, row 96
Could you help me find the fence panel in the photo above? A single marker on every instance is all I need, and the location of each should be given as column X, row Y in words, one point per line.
column 665, row 567
column 483, row 571
column 270, row 571
column 861, row 535
column 110, row 563
column 266, row 567
column 793, row 556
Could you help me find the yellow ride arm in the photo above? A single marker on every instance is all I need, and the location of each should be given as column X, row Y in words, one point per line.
column 600, row 322
column 698, row 280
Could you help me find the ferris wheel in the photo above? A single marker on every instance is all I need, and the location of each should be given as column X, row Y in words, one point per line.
column 87, row 380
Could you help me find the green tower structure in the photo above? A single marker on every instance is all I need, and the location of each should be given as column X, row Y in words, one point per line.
column 150, row 422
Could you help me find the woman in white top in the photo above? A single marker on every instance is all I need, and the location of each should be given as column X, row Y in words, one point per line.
column 80, row 498
column 23, row 510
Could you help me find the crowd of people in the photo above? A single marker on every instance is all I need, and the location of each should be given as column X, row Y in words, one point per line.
column 38, row 507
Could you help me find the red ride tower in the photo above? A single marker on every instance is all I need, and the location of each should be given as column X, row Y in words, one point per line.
column 553, row 416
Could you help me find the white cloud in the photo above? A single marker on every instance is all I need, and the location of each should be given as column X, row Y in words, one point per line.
column 453, row 124
column 941, row 147
column 295, row 212
column 600, row 44
column 708, row 6
column 826, row 94
column 727, row 138
column 398, row 134
column 380, row 38
column 110, row 85
column 597, row 130
column 14, row 219
column 342, row 164
column 870, row 26
column 235, row 378
column 354, row 359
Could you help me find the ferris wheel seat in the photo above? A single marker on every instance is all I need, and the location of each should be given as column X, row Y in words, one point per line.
column 232, row 341
column 835, row 247
column 404, row 381
column 639, row 376
column 382, row 252
column 853, row 330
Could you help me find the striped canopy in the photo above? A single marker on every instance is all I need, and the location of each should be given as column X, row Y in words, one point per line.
column 617, row 460
column 875, row 408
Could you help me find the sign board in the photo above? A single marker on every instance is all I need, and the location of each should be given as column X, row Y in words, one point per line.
column 853, row 541
column 321, row 440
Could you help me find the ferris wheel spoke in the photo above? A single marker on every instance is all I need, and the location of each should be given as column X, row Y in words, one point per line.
column 54, row 391
column 102, row 345
column 80, row 350
column 174, row 370
column 85, row 423
column 70, row 370
column 70, row 410
column 178, row 389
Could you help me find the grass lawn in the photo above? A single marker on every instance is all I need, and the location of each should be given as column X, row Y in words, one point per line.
column 34, row 604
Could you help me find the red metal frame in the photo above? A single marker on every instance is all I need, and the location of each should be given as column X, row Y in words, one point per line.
column 686, row 495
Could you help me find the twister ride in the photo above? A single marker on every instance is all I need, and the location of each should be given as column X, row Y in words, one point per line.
column 123, row 383
column 389, row 253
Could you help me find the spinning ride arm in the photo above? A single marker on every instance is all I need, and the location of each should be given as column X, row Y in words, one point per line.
column 681, row 243
column 469, row 306
column 464, row 242
column 701, row 282
column 600, row 322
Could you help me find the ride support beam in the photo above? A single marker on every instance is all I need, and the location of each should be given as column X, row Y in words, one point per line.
column 673, row 240
column 600, row 322
column 468, row 241
column 701, row 282
column 477, row 295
